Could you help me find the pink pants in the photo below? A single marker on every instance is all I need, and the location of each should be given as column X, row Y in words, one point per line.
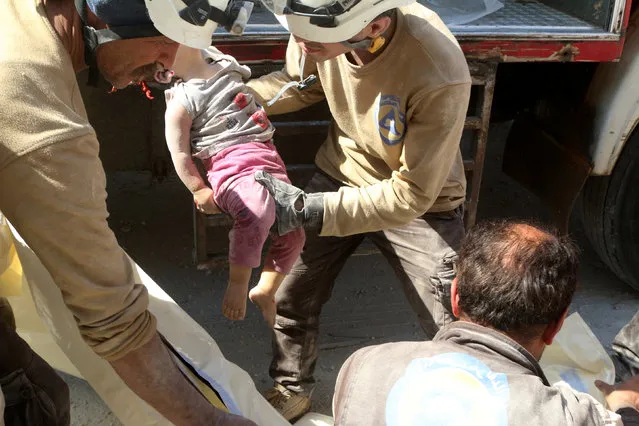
column 252, row 208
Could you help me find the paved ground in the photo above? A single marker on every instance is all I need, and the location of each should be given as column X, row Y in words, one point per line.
column 153, row 223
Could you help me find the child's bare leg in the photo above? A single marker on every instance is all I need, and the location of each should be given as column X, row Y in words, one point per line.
column 234, row 303
column 263, row 294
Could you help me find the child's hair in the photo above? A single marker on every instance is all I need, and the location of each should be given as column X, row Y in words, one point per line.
column 143, row 86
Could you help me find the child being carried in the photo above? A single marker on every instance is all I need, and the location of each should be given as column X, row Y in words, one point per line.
column 211, row 115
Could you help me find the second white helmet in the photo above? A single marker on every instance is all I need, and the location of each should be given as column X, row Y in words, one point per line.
column 329, row 21
column 193, row 22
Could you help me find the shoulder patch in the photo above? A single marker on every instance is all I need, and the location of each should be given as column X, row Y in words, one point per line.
column 448, row 389
column 391, row 120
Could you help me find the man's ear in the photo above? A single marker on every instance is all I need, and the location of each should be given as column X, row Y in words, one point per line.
column 553, row 328
column 454, row 298
column 379, row 26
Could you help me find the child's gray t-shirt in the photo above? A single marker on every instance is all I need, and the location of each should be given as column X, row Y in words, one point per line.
column 223, row 110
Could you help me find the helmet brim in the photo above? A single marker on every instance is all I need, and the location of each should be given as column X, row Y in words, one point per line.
column 166, row 19
column 349, row 24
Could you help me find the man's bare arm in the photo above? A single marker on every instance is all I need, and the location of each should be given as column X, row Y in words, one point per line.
column 151, row 373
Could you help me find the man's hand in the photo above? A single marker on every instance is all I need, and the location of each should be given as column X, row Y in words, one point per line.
column 621, row 395
column 204, row 202
column 293, row 207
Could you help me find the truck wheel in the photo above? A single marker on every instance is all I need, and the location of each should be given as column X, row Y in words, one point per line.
column 610, row 212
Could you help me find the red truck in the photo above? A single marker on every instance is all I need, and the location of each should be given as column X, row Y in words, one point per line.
column 565, row 71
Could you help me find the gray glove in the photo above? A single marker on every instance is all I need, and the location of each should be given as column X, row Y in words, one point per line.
column 293, row 207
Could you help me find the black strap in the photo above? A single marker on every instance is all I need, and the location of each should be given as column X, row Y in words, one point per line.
column 198, row 12
column 90, row 44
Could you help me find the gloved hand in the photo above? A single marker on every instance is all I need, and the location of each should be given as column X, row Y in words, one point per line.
column 293, row 207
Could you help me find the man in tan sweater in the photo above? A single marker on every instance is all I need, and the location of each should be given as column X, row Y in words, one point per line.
column 52, row 189
column 397, row 85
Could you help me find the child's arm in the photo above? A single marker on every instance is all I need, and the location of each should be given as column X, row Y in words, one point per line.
column 178, row 129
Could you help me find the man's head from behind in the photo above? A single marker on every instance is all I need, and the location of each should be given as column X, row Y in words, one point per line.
column 516, row 278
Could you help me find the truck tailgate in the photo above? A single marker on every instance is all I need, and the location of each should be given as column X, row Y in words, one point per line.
column 521, row 30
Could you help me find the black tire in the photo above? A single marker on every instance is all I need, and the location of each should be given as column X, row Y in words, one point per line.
column 610, row 213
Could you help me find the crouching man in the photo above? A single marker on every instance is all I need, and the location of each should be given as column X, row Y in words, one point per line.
column 513, row 288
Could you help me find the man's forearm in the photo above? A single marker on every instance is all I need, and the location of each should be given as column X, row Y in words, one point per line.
column 357, row 210
column 151, row 373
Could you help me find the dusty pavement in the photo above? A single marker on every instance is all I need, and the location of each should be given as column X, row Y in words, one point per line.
column 153, row 223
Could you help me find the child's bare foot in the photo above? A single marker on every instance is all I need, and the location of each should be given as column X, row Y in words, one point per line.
column 265, row 302
column 234, row 303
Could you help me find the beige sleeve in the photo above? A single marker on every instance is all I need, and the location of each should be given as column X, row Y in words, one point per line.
column 56, row 199
column 267, row 86
column 431, row 145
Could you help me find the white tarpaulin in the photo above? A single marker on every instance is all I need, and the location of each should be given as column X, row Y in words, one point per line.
column 577, row 358
column 72, row 355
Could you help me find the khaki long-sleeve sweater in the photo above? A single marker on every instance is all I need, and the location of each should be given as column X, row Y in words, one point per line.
column 397, row 123
column 53, row 186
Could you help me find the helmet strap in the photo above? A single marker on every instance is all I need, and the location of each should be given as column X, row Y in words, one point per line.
column 362, row 44
column 370, row 44
column 299, row 85
column 90, row 43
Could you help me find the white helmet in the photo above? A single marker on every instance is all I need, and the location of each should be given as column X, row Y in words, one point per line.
column 329, row 21
column 193, row 22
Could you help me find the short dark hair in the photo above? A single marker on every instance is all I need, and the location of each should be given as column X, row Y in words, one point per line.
column 390, row 13
column 516, row 277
